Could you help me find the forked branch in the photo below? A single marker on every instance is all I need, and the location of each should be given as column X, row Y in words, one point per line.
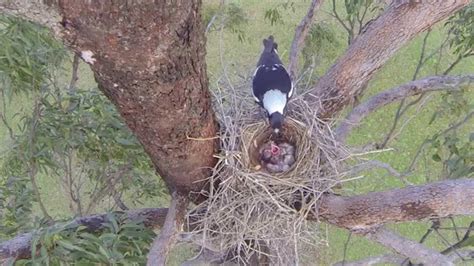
column 434, row 83
column 173, row 224
column 300, row 35
column 415, row 251
column 374, row 47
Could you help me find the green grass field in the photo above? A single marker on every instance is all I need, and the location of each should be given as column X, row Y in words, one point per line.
column 239, row 59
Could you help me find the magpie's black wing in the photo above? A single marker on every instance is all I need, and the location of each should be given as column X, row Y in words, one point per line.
column 269, row 78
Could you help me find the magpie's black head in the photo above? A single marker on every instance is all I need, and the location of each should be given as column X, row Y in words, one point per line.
column 276, row 121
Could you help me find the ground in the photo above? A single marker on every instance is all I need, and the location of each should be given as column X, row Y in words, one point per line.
column 239, row 59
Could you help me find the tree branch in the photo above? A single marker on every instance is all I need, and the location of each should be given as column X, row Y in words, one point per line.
column 371, row 50
column 412, row 203
column 301, row 32
column 434, row 83
column 163, row 243
column 391, row 259
column 441, row 199
column 415, row 251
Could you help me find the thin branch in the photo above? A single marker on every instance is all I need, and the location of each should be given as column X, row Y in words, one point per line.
column 378, row 164
column 74, row 74
column 457, row 61
column 301, row 32
column 376, row 260
column 174, row 222
column 372, row 49
column 428, row 141
column 434, row 83
column 409, row 248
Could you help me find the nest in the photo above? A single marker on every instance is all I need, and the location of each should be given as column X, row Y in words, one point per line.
column 253, row 210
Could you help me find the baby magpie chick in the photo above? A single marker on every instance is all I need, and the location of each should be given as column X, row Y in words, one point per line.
column 272, row 86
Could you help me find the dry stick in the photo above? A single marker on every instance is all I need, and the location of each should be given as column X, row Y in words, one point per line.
column 413, row 250
column 400, row 111
column 173, row 224
column 461, row 242
column 32, row 164
column 390, row 259
column 301, row 32
column 457, row 61
column 346, row 247
column 427, row 141
column 74, row 75
column 434, row 83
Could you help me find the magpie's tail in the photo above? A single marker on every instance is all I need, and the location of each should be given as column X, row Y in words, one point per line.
column 269, row 44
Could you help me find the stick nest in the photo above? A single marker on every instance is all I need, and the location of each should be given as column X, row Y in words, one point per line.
column 253, row 210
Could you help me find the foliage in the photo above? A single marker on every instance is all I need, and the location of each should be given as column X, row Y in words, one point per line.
column 320, row 43
column 274, row 14
column 16, row 200
column 357, row 15
column 121, row 242
column 75, row 137
column 230, row 16
column 451, row 148
column 461, row 28
column 28, row 52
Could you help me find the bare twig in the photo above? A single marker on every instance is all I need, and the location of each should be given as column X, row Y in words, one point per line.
column 74, row 75
column 173, row 224
column 428, row 141
column 457, row 61
column 376, row 260
column 31, row 162
column 409, row 248
column 301, row 32
column 428, row 84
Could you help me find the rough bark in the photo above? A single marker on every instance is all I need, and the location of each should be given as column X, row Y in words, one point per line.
column 148, row 59
column 402, row 21
column 301, row 32
column 364, row 212
column 412, row 88
column 412, row 203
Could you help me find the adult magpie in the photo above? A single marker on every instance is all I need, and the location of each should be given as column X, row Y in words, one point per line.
column 272, row 86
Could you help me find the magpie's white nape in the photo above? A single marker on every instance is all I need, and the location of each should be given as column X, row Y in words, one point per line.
column 271, row 85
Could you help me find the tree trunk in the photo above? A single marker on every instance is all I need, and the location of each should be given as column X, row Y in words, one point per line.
column 148, row 59
column 403, row 20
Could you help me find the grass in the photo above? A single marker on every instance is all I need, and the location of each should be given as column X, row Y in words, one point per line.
column 239, row 58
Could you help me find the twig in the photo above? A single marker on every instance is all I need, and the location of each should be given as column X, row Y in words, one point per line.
column 400, row 111
column 31, row 162
column 74, row 75
column 428, row 141
column 409, row 248
column 173, row 224
column 376, row 260
column 301, row 32
column 434, row 83
column 346, row 247
column 457, row 61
